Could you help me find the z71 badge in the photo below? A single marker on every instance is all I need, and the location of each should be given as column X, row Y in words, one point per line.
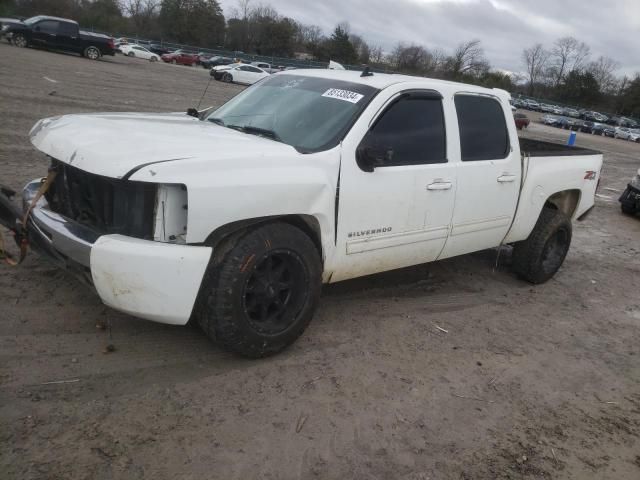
column 369, row 233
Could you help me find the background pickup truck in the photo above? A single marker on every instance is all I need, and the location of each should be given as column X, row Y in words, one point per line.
column 236, row 217
column 58, row 34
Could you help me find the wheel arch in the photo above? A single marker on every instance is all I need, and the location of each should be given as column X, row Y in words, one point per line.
column 566, row 201
column 221, row 238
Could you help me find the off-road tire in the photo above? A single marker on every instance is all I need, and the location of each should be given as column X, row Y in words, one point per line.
column 223, row 310
column 539, row 257
column 19, row 40
column 92, row 53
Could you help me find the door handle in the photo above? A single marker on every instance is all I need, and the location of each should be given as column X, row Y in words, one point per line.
column 507, row 178
column 439, row 186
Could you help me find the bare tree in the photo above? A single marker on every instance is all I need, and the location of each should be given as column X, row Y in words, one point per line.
column 141, row 12
column 376, row 55
column 602, row 70
column 566, row 55
column 467, row 59
column 535, row 59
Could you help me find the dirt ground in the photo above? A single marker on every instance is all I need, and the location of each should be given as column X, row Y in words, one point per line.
column 529, row 382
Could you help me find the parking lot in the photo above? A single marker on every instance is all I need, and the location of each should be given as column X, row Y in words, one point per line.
column 449, row 370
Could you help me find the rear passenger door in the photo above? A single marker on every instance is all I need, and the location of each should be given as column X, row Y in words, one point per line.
column 488, row 175
column 68, row 37
column 396, row 213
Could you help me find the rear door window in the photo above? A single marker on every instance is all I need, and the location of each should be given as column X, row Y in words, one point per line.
column 483, row 129
column 68, row 29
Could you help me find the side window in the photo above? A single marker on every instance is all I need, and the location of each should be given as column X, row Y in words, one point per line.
column 66, row 28
column 483, row 129
column 411, row 131
column 47, row 26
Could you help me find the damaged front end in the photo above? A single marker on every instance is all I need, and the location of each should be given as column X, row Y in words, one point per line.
column 11, row 219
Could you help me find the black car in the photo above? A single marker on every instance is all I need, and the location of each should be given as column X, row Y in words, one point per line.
column 215, row 61
column 159, row 49
column 592, row 127
column 569, row 123
column 630, row 198
column 59, row 34
column 609, row 132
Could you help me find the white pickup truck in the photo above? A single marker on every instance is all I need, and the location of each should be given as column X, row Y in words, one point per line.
column 236, row 217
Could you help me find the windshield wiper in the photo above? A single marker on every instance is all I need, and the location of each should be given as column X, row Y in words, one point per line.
column 264, row 132
column 217, row 121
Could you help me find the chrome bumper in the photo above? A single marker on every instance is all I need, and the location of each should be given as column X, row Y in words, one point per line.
column 56, row 235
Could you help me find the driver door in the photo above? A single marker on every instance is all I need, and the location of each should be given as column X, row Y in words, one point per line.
column 397, row 189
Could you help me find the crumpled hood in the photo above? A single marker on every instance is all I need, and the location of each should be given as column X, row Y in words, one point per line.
column 115, row 144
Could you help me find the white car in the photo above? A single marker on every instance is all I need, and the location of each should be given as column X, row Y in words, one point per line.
column 133, row 50
column 557, row 110
column 236, row 216
column 634, row 135
column 622, row 132
column 240, row 73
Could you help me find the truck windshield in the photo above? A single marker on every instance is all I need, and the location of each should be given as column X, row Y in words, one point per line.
column 308, row 113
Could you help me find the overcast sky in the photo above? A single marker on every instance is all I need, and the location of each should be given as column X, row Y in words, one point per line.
column 505, row 27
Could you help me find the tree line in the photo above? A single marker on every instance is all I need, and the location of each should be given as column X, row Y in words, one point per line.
column 565, row 72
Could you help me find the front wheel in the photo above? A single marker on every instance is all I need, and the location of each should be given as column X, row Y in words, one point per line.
column 19, row 40
column 153, row 59
column 92, row 53
column 173, row 62
column 227, row 78
column 540, row 256
column 261, row 295
column 131, row 54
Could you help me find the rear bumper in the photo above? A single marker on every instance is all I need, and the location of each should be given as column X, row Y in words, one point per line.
column 147, row 279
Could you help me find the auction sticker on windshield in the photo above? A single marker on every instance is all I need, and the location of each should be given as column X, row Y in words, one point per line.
column 345, row 95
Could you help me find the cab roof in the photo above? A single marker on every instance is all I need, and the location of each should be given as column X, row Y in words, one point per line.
column 384, row 80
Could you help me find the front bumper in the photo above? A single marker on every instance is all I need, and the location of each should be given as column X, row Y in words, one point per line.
column 147, row 279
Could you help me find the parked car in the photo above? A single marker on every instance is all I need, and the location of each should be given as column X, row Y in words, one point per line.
column 59, row 34
column 549, row 119
column 139, row 51
column 249, row 268
column 630, row 198
column 522, row 121
column 267, row 67
column 598, row 128
column 180, row 57
column 216, row 60
column 240, row 73
column 569, row 123
column 557, row 110
column 609, row 132
column 572, row 112
column 532, row 105
column 634, row 135
column 621, row 132
column 587, row 126
column 159, row 49
column 546, row 108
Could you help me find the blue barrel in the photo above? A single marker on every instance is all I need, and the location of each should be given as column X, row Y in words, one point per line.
column 572, row 139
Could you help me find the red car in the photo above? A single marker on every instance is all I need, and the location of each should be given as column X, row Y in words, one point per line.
column 180, row 57
column 522, row 121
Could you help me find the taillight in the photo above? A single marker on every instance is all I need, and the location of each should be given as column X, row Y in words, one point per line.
column 111, row 44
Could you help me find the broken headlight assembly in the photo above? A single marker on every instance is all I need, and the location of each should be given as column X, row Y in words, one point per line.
column 170, row 214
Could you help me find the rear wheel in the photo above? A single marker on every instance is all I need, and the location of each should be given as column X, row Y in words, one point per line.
column 261, row 295
column 539, row 257
column 92, row 53
column 19, row 40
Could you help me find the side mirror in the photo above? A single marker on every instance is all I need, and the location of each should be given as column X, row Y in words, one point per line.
column 369, row 157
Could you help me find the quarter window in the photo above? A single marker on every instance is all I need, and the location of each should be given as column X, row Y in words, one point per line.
column 410, row 132
column 483, row 129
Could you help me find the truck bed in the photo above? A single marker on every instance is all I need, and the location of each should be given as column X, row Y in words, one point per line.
column 539, row 148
